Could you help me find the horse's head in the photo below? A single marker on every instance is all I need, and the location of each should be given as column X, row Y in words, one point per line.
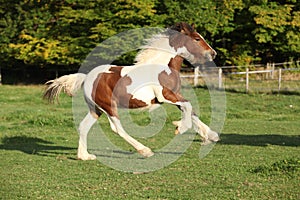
column 189, row 44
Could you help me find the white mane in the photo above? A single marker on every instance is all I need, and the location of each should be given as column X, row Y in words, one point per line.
column 156, row 51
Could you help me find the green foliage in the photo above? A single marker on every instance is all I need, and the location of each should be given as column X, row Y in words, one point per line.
column 36, row 32
column 278, row 26
column 63, row 33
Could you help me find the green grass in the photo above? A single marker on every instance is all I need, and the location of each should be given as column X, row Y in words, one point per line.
column 263, row 86
column 258, row 157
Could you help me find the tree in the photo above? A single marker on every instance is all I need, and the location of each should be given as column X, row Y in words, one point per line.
column 63, row 32
column 277, row 28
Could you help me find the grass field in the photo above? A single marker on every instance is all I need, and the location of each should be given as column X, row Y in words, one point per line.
column 258, row 157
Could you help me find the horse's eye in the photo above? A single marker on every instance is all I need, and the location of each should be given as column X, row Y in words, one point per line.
column 197, row 39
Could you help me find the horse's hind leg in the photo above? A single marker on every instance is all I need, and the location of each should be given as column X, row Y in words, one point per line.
column 143, row 150
column 84, row 127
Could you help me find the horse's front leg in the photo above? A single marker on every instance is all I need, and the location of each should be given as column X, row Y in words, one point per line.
column 186, row 121
column 175, row 98
column 204, row 131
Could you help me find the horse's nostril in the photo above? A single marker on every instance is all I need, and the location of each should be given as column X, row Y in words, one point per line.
column 210, row 55
column 213, row 54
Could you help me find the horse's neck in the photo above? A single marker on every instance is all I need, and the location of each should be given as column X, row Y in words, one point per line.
column 159, row 57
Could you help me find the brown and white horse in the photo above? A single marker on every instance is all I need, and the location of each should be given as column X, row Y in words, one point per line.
column 153, row 80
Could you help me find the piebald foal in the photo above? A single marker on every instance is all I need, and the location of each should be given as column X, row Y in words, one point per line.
column 153, row 80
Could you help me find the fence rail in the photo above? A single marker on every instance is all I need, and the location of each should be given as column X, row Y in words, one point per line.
column 270, row 74
column 38, row 75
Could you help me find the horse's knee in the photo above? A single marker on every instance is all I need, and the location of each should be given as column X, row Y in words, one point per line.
column 186, row 106
column 180, row 127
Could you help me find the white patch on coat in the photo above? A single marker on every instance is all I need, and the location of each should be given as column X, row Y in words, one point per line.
column 145, row 85
column 183, row 52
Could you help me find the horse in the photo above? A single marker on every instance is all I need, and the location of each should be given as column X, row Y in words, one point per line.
column 153, row 80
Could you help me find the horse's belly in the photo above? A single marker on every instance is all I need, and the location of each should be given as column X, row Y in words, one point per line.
column 145, row 94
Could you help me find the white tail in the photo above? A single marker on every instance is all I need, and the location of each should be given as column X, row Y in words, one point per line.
column 70, row 84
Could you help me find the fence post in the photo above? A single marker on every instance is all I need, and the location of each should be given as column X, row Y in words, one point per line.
column 279, row 80
column 196, row 74
column 247, row 80
column 220, row 78
column 0, row 76
column 268, row 67
column 272, row 70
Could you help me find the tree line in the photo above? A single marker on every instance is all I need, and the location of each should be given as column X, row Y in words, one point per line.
column 63, row 32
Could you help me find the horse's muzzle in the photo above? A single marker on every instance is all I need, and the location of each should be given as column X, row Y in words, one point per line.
column 210, row 55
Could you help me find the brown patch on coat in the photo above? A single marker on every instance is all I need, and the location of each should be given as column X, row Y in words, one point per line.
column 176, row 63
column 109, row 92
column 171, row 83
column 155, row 101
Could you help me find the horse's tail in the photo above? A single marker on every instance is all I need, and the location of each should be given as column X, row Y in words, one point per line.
column 70, row 84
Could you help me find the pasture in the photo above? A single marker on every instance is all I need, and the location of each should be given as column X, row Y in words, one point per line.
column 257, row 157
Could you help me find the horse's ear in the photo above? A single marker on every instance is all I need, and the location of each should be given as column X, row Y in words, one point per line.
column 193, row 26
column 186, row 29
column 177, row 27
column 182, row 27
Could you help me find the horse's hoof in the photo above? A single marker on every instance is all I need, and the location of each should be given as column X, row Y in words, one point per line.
column 146, row 152
column 213, row 136
column 210, row 141
column 86, row 157
column 215, row 139
column 176, row 123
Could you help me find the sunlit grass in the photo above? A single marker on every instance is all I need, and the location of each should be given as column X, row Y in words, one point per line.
column 260, row 142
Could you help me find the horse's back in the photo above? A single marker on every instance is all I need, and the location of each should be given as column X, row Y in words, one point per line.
column 130, row 86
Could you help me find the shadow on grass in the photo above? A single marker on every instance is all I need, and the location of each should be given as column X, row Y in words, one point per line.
column 260, row 140
column 33, row 145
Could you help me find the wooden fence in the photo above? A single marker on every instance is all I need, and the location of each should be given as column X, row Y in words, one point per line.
column 269, row 73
